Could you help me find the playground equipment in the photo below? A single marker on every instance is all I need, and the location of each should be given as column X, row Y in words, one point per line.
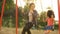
column 2, row 12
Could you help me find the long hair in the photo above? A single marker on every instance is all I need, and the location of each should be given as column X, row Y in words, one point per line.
column 49, row 13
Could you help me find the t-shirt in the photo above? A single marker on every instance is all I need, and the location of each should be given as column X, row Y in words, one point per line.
column 50, row 21
column 30, row 17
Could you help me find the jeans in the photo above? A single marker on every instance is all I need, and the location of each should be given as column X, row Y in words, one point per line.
column 27, row 28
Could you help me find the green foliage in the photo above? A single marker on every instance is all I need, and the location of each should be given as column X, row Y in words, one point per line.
column 10, row 9
column 56, row 26
column 26, row 8
column 42, row 19
column 0, row 5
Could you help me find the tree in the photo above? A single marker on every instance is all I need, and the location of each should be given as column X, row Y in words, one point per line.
column 9, row 4
column 7, row 10
column 42, row 18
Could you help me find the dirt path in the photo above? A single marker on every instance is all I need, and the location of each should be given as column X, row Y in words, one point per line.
column 13, row 31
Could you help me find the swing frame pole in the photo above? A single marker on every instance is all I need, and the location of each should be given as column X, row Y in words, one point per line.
column 2, row 12
column 16, row 18
column 59, row 14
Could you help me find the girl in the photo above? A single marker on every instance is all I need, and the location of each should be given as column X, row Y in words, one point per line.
column 31, row 19
column 50, row 21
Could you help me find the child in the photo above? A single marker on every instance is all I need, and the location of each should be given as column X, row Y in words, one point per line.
column 50, row 21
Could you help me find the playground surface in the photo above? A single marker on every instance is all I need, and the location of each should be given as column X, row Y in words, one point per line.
column 13, row 31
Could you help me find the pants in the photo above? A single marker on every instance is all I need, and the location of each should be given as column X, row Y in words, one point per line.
column 48, row 27
column 27, row 28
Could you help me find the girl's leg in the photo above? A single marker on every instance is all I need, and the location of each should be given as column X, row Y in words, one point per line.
column 48, row 31
column 45, row 31
column 28, row 32
column 24, row 30
column 27, row 28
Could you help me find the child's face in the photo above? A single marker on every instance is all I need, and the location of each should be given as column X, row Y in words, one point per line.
column 52, row 16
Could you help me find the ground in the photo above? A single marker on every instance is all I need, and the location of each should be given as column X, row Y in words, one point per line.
column 13, row 31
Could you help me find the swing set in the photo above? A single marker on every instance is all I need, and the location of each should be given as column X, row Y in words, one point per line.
column 2, row 13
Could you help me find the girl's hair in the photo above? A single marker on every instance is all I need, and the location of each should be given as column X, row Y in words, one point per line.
column 49, row 13
column 31, row 4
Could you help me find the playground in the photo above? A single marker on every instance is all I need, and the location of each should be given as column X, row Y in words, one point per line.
column 13, row 18
column 13, row 31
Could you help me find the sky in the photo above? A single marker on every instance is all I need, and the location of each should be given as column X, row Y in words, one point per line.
column 42, row 6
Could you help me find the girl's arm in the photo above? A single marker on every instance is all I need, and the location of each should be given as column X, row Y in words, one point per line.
column 52, row 18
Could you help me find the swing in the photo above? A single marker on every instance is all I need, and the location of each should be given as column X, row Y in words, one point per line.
column 2, row 12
